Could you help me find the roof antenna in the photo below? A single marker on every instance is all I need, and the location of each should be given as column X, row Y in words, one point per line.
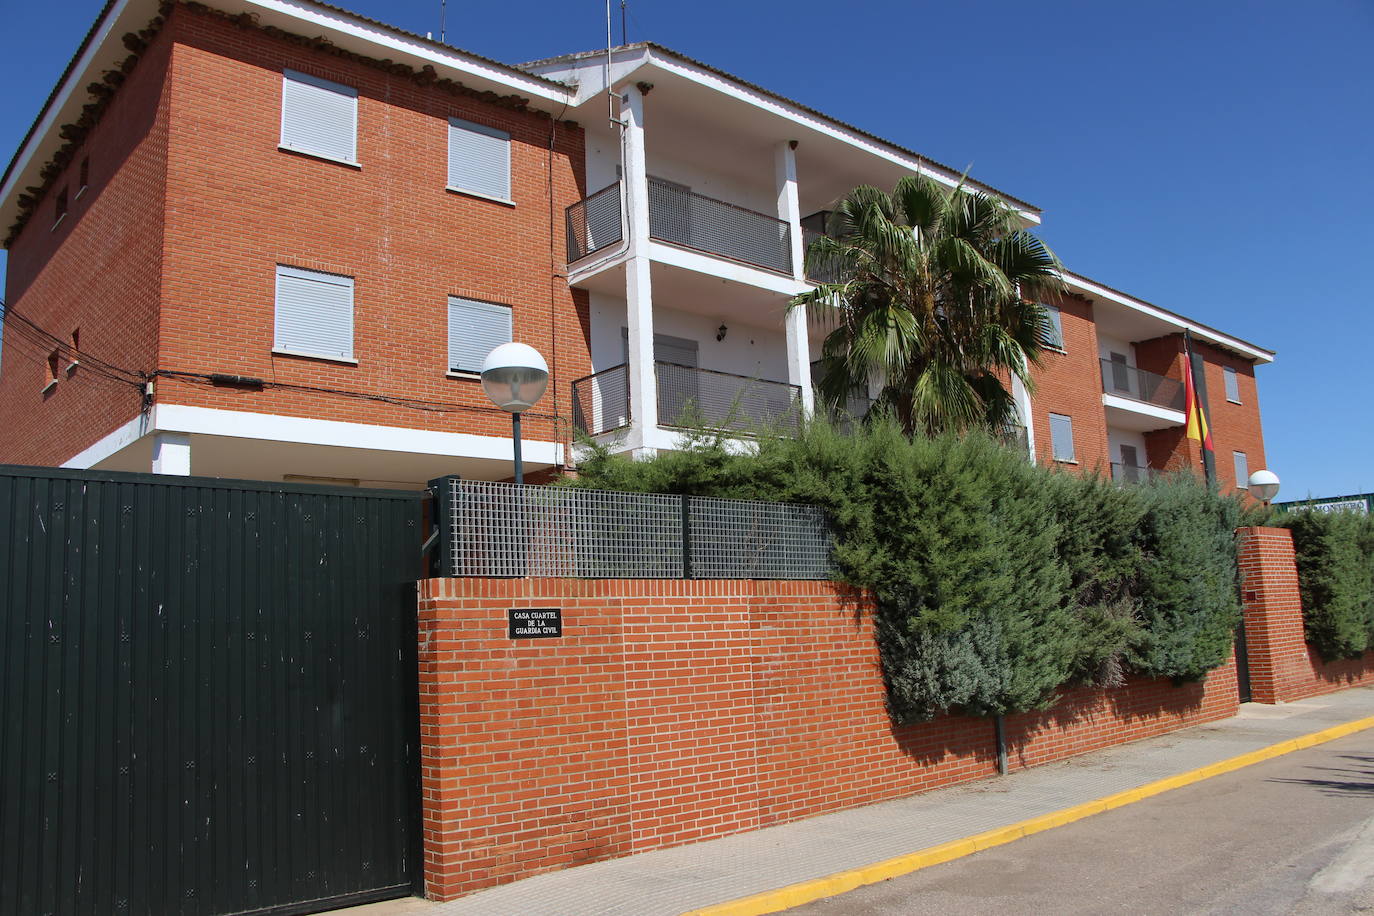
column 610, row 90
column 443, row 18
column 624, row 37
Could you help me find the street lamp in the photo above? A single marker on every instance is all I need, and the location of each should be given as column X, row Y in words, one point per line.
column 1264, row 485
column 514, row 376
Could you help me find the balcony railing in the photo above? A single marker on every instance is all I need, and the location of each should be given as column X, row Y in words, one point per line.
column 687, row 395
column 1137, row 384
column 594, row 223
column 819, row 273
column 1014, row 436
column 601, row 401
column 1131, row 473
column 679, row 216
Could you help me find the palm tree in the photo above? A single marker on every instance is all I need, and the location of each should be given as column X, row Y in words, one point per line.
column 936, row 297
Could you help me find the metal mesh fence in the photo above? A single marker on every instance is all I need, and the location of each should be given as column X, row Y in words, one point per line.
column 1130, row 382
column 508, row 530
column 742, row 539
column 594, row 222
column 687, row 396
column 504, row 529
column 601, row 402
column 694, row 221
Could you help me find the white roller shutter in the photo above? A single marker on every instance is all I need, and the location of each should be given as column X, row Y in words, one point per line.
column 478, row 159
column 474, row 330
column 319, row 117
column 314, row 313
column 1061, row 437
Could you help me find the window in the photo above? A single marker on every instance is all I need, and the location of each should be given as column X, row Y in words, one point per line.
column 1232, row 384
column 319, row 117
column 85, row 174
column 314, row 314
column 59, row 207
column 1061, row 437
column 1054, row 334
column 76, row 352
column 474, row 330
column 478, row 160
column 1242, row 470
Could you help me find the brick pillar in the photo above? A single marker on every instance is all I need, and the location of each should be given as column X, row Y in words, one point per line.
column 1273, row 614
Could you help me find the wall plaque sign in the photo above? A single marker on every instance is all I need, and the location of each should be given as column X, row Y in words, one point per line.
column 534, row 622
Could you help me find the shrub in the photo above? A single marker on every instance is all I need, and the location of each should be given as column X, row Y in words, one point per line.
column 996, row 582
column 1335, row 556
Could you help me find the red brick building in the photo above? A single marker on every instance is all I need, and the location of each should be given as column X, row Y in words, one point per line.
column 253, row 240
column 203, row 192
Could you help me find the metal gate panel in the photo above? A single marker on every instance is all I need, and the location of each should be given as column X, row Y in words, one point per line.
column 208, row 696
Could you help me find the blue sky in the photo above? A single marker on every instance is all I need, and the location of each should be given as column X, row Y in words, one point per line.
column 1214, row 158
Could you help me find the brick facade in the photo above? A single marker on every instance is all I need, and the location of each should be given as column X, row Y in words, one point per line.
column 98, row 272
column 1283, row 667
column 675, row 711
column 1069, row 383
column 195, row 206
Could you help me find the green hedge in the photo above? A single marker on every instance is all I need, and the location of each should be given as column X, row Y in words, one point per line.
column 1335, row 554
column 997, row 582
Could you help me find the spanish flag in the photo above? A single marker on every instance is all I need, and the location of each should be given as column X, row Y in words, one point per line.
column 1192, row 408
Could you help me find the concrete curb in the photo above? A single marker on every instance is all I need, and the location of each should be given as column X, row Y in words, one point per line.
column 841, row 882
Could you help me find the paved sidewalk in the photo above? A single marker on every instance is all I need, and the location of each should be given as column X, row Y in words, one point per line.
column 670, row 881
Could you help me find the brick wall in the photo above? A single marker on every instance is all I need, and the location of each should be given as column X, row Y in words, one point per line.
column 674, row 711
column 1070, row 383
column 1282, row 666
column 99, row 271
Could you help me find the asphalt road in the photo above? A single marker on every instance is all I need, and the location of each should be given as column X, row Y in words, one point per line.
column 1294, row 835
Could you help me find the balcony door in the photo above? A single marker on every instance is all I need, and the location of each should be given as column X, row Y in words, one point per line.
column 1130, row 464
column 676, row 371
column 1121, row 373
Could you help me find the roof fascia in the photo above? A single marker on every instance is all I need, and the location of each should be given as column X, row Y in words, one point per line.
column 1212, row 335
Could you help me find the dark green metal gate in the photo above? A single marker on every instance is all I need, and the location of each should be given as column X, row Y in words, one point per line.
column 207, row 695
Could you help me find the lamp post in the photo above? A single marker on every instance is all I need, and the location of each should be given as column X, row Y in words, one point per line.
column 1264, row 485
column 514, row 377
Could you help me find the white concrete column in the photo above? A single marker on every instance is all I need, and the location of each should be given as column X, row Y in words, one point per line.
column 172, row 454
column 639, row 300
column 1023, row 407
column 798, row 336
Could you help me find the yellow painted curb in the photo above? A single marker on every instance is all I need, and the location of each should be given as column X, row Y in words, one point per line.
column 784, row 898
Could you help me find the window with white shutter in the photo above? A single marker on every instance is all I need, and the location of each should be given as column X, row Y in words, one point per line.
column 1232, row 384
column 314, row 313
column 1054, row 334
column 474, row 330
column 478, row 160
column 1242, row 470
column 319, row 117
column 1061, row 437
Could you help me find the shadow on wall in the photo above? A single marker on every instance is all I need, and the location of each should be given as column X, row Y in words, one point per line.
column 1084, row 719
column 1344, row 672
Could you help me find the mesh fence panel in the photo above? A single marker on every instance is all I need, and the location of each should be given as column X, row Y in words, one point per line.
column 679, row 216
column 594, row 222
column 687, row 395
column 508, row 530
column 601, row 402
column 743, row 539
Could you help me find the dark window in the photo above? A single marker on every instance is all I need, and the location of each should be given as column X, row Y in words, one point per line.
column 61, row 207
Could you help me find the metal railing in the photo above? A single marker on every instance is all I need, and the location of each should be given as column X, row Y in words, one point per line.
column 818, row 273
column 601, row 401
column 1137, row 384
column 510, row 530
column 1014, row 436
column 1132, row 473
column 594, row 223
column 679, row 216
column 688, row 396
